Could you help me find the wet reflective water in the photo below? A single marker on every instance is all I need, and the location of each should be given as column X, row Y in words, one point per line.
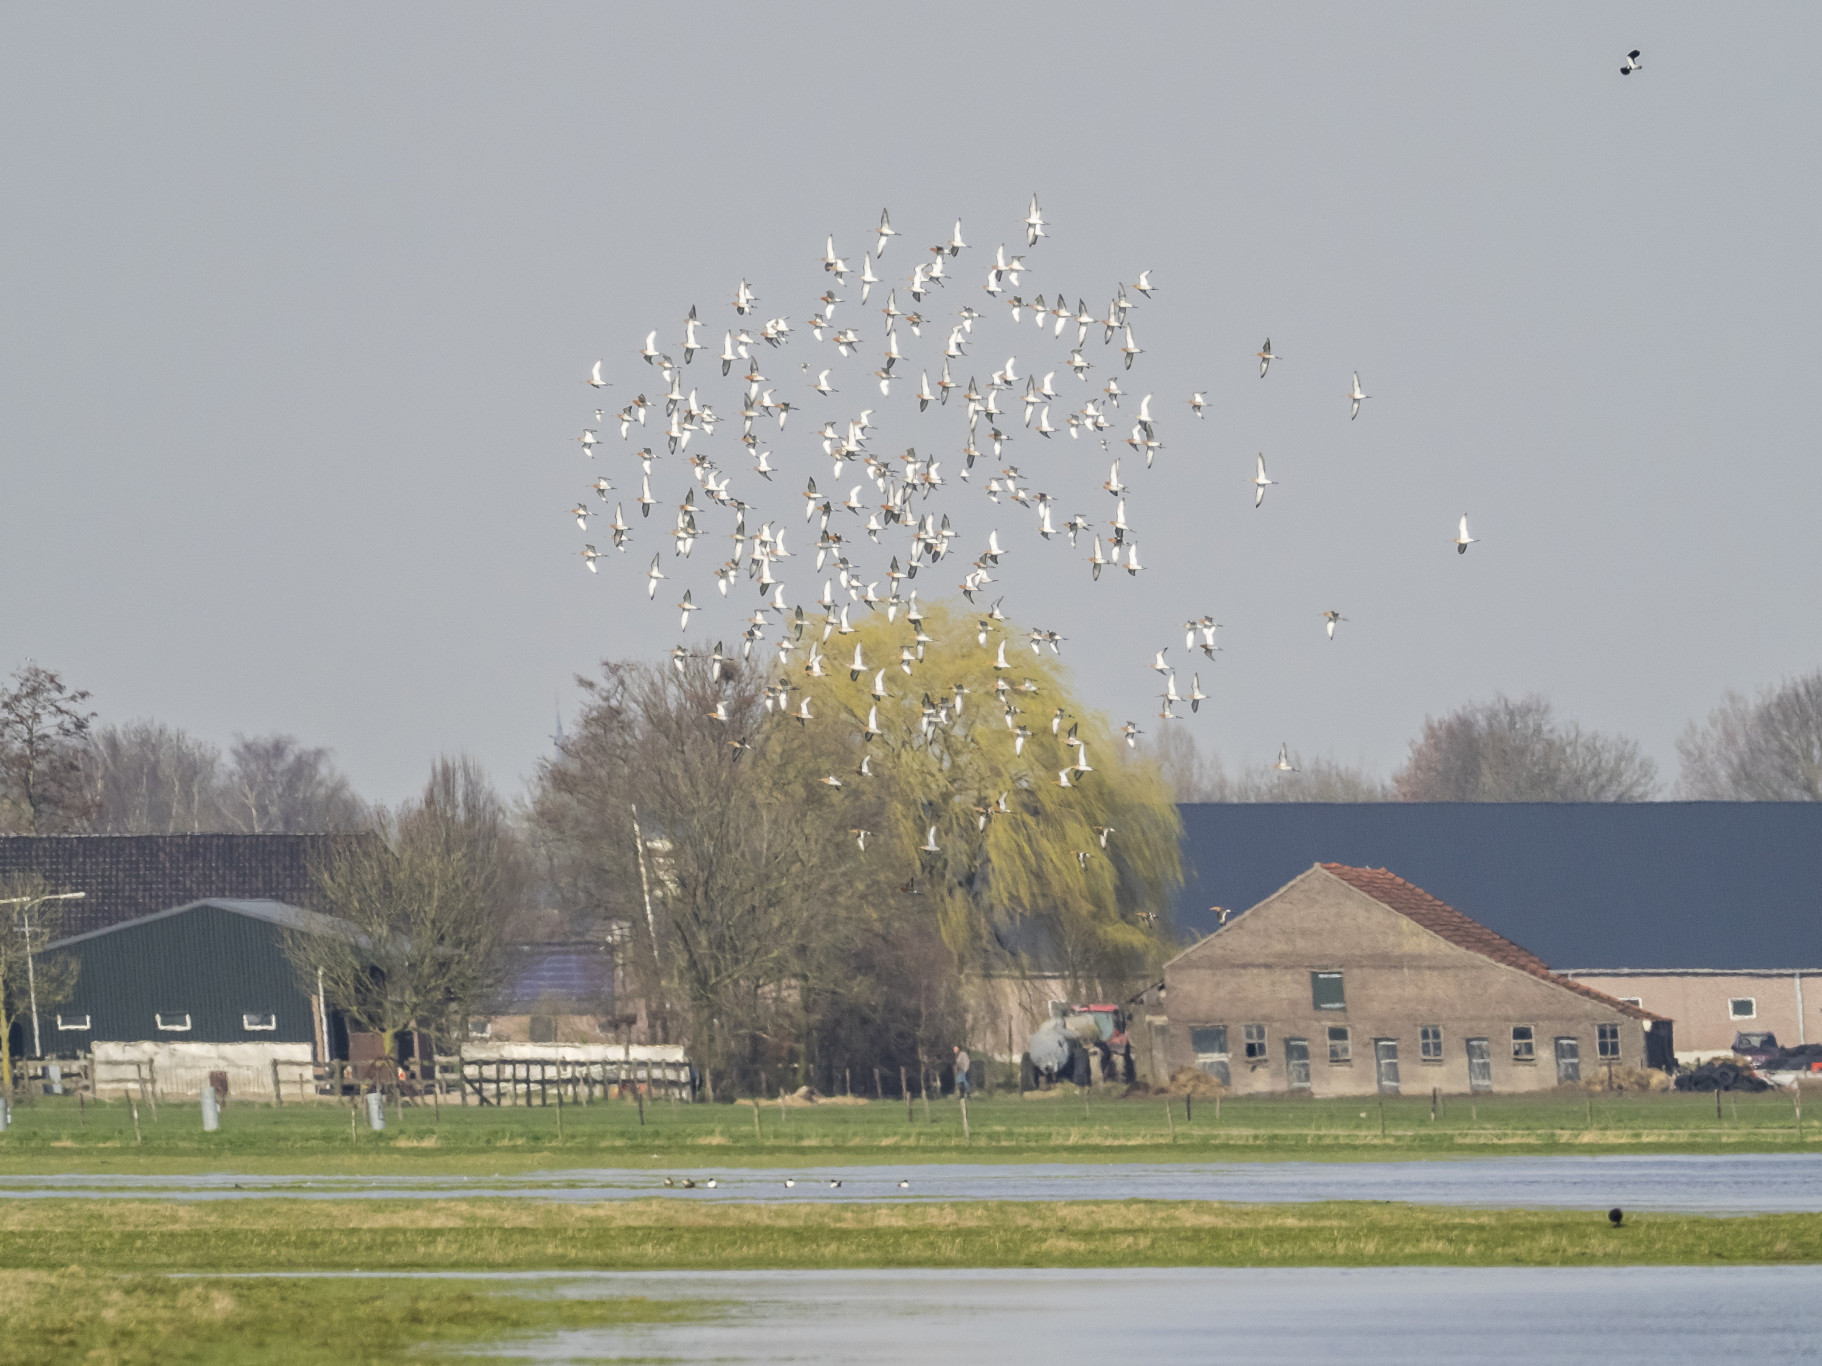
column 1628, row 1316
column 1749, row 1183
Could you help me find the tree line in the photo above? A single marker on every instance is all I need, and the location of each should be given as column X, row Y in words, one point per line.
column 1764, row 748
column 61, row 774
column 793, row 900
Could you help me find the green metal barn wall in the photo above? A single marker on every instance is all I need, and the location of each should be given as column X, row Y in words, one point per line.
column 210, row 962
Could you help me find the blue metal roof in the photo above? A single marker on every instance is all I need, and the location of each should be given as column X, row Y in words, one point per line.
column 1582, row 885
column 541, row 976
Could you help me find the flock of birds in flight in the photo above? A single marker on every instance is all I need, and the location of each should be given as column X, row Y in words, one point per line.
column 1016, row 400
column 903, row 485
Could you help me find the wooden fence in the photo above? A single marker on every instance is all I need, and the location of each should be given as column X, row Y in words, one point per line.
column 534, row 1081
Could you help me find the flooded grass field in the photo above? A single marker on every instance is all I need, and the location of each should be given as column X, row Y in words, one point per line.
column 1163, row 1317
column 57, row 1134
column 1742, row 1183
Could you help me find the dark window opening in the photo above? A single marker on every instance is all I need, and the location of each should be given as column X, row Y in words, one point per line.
column 1326, row 992
column 543, row 1028
column 1524, row 1043
column 1255, row 1042
column 1341, row 1046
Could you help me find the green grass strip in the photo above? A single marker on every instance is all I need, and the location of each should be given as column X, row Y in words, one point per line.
column 521, row 1235
column 81, row 1316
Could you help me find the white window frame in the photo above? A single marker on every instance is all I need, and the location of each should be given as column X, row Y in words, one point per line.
column 248, row 1017
column 1529, row 1055
column 1752, row 1011
column 1429, row 1044
column 159, row 1018
column 85, row 1018
column 1255, row 1045
column 1341, row 1046
column 1638, row 1001
column 1603, row 1033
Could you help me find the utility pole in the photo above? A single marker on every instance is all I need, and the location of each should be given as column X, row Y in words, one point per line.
column 25, row 905
column 645, row 884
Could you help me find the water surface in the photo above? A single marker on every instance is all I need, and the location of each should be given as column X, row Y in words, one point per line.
column 1623, row 1316
column 1743, row 1183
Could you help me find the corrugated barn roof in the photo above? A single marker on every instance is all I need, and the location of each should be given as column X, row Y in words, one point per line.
column 1581, row 885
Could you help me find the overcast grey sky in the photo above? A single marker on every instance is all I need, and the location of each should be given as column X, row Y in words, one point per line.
column 298, row 301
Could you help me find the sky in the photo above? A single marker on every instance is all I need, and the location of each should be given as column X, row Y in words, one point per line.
column 299, row 302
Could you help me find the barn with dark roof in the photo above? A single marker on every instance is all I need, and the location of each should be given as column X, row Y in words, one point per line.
column 126, row 877
column 1352, row 980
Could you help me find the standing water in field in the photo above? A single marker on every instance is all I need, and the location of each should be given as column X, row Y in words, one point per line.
column 1745, row 1183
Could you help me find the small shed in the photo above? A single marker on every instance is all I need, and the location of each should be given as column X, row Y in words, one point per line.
column 173, row 998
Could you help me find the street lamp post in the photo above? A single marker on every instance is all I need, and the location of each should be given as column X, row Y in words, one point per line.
column 25, row 904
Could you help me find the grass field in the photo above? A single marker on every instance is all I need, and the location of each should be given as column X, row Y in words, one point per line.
column 127, row 1282
column 144, row 1236
column 55, row 1135
column 76, row 1315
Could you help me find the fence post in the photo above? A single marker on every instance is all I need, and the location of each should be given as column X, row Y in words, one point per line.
column 904, row 1086
column 758, row 1133
column 376, row 1111
column 1435, row 1095
column 1170, row 1120
column 877, row 1093
column 211, row 1110
column 966, row 1136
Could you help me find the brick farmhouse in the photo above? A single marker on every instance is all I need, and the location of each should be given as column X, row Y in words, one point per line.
column 1352, row 981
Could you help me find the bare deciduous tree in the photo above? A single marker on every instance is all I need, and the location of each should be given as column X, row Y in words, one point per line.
column 43, row 738
column 426, row 903
column 1768, row 750
column 744, row 880
column 274, row 785
column 1514, row 750
column 1197, row 777
column 147, row 778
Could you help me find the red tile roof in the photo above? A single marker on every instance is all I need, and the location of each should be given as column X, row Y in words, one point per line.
column 1444, row 921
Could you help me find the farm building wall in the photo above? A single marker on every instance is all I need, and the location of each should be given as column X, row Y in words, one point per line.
column 205, row 964
column 1710, row 1007
column 1385, row 980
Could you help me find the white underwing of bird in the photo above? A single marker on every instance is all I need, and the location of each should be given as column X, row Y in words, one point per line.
column 1266, row 357
column 1330, row 618
column 1260, row 482
column 1462, row 539
column 1355, row 395
column 1632, row 64
column 1284, row 764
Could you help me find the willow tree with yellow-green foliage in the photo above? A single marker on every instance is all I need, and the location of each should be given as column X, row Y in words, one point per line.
column 764, row 857
column 1017, row 814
